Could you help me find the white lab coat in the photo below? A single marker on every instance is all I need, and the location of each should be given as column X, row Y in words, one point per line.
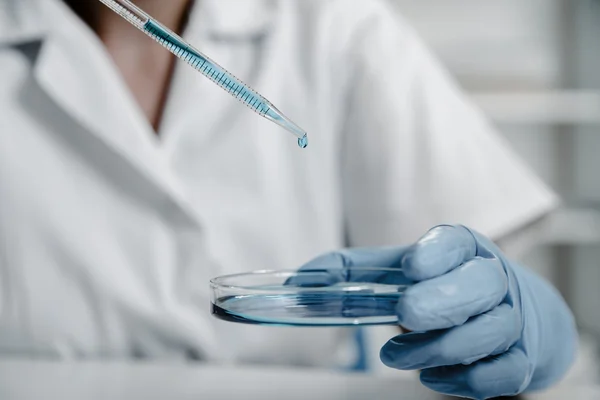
column 109, row 234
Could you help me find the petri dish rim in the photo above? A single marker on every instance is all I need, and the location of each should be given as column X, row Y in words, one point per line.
column 218, row 282
column 263, row 297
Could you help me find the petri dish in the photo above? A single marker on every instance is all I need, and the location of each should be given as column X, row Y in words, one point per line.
column 319, row 297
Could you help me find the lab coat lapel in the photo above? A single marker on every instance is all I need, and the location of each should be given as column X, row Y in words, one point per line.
column 76, row 73
column 234, row 19
column 89, row 92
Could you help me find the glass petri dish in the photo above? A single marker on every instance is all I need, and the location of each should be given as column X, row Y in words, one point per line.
column 323, row 297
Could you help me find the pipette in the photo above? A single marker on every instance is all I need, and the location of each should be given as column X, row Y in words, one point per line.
column 197, row 60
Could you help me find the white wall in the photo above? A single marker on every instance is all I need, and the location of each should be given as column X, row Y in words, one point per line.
column 507, row 43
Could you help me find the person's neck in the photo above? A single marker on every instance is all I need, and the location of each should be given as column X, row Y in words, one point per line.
column 102, row 20
column 146, row 68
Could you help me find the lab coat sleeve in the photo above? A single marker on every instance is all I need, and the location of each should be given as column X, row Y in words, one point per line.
column 416, row 152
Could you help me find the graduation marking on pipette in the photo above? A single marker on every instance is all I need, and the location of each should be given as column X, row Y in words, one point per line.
column 202, row 63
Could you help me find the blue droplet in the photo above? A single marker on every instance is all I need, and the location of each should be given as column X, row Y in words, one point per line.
column 303, row 141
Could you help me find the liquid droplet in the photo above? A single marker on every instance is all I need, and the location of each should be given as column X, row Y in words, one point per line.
column 303, row 141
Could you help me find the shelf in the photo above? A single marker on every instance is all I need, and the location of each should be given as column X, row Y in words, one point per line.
column 559, row 107
column 574, row 226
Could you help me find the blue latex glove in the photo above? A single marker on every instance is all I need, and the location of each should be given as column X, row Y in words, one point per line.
column 481, row 325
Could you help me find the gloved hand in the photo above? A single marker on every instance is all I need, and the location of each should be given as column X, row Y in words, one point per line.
column 481, row 326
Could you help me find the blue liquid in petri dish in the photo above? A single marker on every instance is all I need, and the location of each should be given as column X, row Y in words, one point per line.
column 310, row 309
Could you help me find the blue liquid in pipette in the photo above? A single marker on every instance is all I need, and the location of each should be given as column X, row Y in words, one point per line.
column 318, row 309
column 222, row 78
column 208, row 68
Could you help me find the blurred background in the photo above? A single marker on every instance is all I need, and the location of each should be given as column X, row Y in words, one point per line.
column 534, row 67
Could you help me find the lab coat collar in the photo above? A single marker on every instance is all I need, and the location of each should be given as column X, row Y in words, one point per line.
column 22, row 21
column 59, row 71
column 233, row 19
column 26, row 20
column 81, row 80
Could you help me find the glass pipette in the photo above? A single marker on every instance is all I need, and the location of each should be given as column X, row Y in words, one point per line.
column 213, row 71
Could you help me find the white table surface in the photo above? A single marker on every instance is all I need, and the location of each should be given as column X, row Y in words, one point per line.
column 587, row 392
column 28, row 380
column 25, row 380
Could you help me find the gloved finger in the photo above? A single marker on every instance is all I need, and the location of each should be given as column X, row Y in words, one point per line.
column 315, row 278
column 353, row 265
column 380, row 257
column 504, row 375
column 361, row 265
column 487, row 334
column 440, row 250
column 449, row 300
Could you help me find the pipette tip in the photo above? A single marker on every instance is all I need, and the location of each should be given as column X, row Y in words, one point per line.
column 303, row 141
